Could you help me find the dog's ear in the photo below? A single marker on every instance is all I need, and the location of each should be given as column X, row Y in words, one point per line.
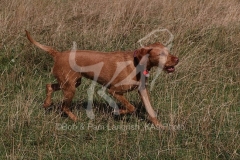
column 141, row 55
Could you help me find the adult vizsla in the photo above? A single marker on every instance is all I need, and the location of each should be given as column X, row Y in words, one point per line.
column 119, row 72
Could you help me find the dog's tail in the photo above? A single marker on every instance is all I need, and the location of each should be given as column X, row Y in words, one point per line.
column 49, row 49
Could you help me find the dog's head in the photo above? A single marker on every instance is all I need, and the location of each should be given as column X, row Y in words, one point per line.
column 156, row 55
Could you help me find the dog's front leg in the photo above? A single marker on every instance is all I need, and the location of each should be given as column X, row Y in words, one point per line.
column 152, row 114
column 129, row 107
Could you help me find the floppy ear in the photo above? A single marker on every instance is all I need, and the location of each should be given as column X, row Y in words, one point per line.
column 142, row 55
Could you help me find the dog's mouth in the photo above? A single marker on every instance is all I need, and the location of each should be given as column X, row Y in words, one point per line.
column 169, row 69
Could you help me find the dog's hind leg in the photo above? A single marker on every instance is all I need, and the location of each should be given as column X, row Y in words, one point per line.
column 69, row 88
column 68, row 91
column 50, row 88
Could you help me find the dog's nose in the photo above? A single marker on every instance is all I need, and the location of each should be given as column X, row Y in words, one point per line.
column 175, row 59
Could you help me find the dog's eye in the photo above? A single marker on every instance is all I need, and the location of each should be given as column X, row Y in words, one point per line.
column 155, row 55
column 160, row 54
column 163, row 54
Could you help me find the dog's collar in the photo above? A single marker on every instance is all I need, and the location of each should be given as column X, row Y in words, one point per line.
column 145, row 72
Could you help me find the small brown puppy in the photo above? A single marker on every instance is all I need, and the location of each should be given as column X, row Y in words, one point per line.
column 119, row 72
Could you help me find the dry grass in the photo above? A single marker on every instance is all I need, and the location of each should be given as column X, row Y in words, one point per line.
column 200, row 102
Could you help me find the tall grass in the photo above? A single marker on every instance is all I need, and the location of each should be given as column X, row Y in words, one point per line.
column 199, row 103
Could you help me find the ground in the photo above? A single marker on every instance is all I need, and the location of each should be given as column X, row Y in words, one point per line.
column 198, row 104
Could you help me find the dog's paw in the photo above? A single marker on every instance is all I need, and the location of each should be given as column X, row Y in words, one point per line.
column 47, row 104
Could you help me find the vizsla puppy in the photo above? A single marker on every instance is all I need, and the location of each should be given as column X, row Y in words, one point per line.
column 119, row 72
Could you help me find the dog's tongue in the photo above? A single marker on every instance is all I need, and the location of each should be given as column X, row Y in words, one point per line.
column 170, row 69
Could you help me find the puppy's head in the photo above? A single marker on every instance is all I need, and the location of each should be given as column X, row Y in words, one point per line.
column 156, row 55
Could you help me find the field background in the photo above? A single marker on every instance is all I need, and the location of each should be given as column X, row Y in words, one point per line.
column 199, row 103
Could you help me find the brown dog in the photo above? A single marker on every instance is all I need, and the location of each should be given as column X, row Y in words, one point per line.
column 119, row 72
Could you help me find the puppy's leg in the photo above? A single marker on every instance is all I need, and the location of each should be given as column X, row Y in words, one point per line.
column 129, row 108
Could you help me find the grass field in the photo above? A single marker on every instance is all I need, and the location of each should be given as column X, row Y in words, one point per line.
column 199, row 104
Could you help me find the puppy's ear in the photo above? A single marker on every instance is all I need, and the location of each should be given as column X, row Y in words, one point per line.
column 141, row 55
